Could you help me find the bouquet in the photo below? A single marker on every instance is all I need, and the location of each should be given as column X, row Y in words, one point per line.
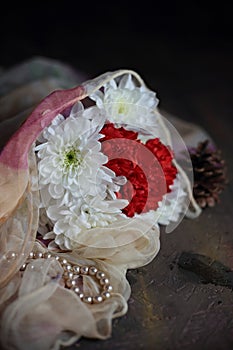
column 86, row 183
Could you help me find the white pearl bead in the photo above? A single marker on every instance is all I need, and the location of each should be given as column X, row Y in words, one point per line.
column 67, row 267
column 38, row 255
column 70, row 283
column 108, row 288
column 75, row 289
column 106, row 295
column 97, row 299
column 87, row 299
column 64, row 261
column 84, row 270
column 47, row 255
column 76, row 269
column 104, row 281
column 92, row 270
column 68, row 274
column 23, row 267
column 100, row 275
column 31, row 255
column 81, row 295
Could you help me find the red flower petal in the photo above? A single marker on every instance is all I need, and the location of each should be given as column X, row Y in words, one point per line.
column 147, row 167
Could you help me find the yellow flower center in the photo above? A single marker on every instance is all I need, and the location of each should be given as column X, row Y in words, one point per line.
column 122, row 107
column 72, row 158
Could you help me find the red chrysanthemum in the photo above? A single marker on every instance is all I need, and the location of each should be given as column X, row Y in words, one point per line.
column 148, row 168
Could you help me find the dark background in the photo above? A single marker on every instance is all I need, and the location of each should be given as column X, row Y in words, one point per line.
column 179, row 48
column 183, row 51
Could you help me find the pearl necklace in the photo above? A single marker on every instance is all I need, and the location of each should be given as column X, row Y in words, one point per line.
column 71, row 273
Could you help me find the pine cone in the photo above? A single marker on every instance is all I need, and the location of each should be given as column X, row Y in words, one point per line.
column 209, row 172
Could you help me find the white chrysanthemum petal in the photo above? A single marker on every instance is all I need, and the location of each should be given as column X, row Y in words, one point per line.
column 76, row 110
column 46, row 132
column 60, row 226
column 49, row 235
column 172, row 205
column 128, row 105
column 56, row 191
column 98, row 98
column 112, row 83
column 148, row 98
column 53, row 213
column 126, row 82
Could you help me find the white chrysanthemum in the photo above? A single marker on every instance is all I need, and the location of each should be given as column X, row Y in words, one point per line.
column 128, row 105
column 70, row 158
column 77, row 190
column 81, row 217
